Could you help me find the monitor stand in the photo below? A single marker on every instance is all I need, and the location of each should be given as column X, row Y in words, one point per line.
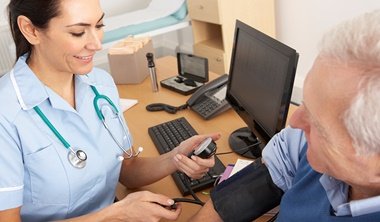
column 244, row 142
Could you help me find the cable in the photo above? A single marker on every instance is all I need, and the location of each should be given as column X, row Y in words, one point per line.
column 196, row 200
column 192, row 193
column 154, row 107
column 187, row 200
column 246, row 149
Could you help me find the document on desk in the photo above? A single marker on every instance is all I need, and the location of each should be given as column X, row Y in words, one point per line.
column 231, row 169
column 126, row 104
column 239, row 165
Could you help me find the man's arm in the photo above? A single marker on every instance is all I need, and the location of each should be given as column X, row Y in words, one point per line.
column 281, row 156
column 243, row 197
column 206, row 213
column 252, row 191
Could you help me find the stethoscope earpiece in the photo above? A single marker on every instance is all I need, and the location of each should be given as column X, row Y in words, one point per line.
column 139, row 150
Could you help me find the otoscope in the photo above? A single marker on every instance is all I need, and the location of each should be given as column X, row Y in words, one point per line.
column 152, row 71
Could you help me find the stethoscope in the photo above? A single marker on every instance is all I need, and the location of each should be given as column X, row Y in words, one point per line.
column 77, row 157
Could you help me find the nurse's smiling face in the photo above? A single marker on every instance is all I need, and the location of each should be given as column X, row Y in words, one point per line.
column 69, row 43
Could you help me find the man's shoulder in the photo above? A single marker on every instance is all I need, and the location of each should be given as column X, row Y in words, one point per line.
column 292, row 132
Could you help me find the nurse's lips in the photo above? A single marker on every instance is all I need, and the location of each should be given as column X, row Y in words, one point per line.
column 84, row 58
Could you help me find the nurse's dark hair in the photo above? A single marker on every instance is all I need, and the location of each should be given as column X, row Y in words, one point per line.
column 39, row 12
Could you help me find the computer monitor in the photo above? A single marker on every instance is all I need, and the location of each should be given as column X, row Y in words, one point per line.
column 259, row 88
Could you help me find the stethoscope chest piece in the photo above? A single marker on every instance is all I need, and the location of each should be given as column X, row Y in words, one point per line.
column 77, row 158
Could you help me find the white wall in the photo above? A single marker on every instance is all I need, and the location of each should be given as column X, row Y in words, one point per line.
column 3, row 14
column 301, row 24
column 116, row 7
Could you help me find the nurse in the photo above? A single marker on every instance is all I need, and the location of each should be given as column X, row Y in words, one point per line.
column 57, row 159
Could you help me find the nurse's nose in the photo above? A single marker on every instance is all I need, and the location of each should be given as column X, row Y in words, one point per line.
column 95, row 40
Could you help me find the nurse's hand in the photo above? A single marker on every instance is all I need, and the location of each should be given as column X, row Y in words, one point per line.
column 194, row 167
column 145, row 206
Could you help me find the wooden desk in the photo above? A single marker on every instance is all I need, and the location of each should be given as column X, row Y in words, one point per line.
column 139, row 120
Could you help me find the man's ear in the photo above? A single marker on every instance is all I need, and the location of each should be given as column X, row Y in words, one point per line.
column 29, row 31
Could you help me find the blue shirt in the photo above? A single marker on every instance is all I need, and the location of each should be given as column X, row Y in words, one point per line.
column 34, row 169
column 282, row 157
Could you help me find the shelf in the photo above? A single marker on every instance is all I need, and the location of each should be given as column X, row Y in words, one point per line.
column 213, row 26
column 216, row 43
column 205, row 31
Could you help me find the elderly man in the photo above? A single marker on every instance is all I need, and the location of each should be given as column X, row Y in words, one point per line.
column 326, row 165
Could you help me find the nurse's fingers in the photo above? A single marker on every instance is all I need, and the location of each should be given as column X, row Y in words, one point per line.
column 192, row 168
column 209, row 162
column 164, row 206
column 147, row 206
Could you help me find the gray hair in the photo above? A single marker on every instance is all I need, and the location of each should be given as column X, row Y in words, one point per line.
column 358, row 41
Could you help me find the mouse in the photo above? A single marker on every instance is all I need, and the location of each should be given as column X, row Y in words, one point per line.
column 189, row 82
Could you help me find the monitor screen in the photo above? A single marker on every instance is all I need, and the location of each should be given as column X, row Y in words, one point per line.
column 259, row 89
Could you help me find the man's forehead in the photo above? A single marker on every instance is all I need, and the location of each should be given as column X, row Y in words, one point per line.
column 332, row 81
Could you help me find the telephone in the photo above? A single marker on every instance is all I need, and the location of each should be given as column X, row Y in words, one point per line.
column 210, row 99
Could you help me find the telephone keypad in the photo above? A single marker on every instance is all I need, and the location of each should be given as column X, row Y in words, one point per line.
column 206, row 107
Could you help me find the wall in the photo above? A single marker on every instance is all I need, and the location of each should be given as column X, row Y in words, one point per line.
column 6, row 42
column 3, row 14
column 116, row 7
column 301, row 24
column 165, row 45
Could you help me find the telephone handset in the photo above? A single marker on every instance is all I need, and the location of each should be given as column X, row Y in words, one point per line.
column 210, row 99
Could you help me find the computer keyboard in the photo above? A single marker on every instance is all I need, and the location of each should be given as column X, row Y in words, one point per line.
column 166, row 136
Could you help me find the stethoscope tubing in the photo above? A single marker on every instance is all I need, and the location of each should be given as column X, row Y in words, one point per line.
column 51, row 127
column 79, row 161
column 98, row 111
column 113, row 137
column 78, row 157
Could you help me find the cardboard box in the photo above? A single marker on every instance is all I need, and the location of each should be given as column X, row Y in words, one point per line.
column 127, row 60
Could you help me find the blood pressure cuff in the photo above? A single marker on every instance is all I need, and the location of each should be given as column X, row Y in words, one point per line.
column 247, row 194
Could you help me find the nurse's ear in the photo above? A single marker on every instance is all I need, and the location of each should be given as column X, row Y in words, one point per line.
column 28, row 30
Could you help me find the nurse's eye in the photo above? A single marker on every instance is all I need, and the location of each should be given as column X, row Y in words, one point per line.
column 77, row 34
column 99, row 26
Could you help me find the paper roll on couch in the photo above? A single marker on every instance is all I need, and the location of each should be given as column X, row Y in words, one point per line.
column 127, row 60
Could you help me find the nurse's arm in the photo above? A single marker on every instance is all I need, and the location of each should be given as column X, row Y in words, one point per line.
column 141, row 171
column 11, row 215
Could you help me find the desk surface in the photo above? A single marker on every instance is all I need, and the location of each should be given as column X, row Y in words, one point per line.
column 139, row 120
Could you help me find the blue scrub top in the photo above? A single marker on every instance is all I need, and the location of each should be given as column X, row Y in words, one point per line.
column 34, row 169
